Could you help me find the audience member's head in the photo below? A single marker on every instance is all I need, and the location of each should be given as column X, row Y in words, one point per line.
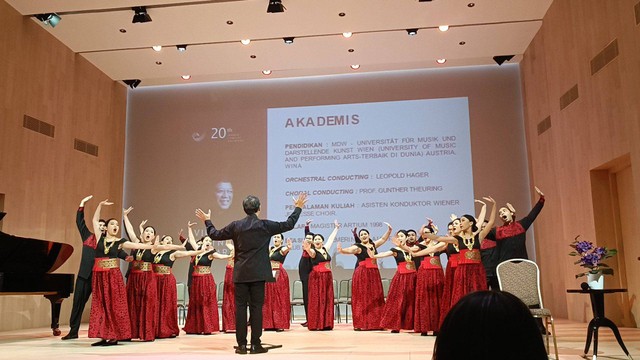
column 489, row 325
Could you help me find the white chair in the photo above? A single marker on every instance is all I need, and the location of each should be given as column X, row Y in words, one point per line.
column 296, row 296
column 182, row 302
column 521, row 277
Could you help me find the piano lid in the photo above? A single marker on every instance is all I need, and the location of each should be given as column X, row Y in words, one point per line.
column 25, row 255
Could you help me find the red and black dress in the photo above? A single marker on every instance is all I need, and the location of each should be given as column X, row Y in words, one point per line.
column 449, row 274
column 228, row 299
column 109, row 318
column 429, row 293
column 399, row 308
column 142, row 295
column 276, row 312
column 367, row 296
column 321, row 306
column 202, row 317
column 470, row 275
column 167, row 316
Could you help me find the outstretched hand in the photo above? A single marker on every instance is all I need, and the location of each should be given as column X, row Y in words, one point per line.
column 190, row 224
column 308, row 222
column 289, row 244
column 126, row 211
column 202, row 215
column 336, row 223
column 489, row 199
column 301, row 200
column 106, row 202
column 85, row 200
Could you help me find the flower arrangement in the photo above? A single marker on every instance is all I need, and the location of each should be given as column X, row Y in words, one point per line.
column 591, row 257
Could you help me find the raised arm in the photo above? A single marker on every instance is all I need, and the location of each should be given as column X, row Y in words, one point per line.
column 384, row 237
column 290, row 223
column 430, row 249
column 333, row 235
column 351, row 250
column 96, row 217
column 82, row 226
column 192, row 238
column 492, row 218
column 483, row 212
column 384, row 254
column 306, row 246
column 533, row 214
column 128, row 227
column 285, row 249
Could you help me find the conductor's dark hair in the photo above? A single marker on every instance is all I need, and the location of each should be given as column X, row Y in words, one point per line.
column 251, row 204
column 494, row 324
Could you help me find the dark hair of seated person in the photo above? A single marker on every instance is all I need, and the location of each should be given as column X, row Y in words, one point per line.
column 489, row 325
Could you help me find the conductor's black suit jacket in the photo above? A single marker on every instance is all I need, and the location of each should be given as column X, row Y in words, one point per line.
column 251, row 237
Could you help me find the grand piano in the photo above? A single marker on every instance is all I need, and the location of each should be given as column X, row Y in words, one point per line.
column 26, row 267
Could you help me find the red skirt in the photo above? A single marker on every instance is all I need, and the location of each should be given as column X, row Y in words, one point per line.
column 167, row 305
column 276, row 312
column 202, row 315
column 228, row 301
column 429, row 290
column 469, row 278
column 398, row 310
column 142, row 294
column 109, row 318
column 445, row 303
column 367, row 298
column 321, row 307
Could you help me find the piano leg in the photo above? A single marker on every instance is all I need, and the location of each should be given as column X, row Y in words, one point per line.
column 56, row 303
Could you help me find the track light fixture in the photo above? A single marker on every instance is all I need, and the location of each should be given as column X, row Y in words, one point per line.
column 140, row 15
column 500, row 59
column 424, row 0
column 275, row 6
column 412, row 32
column 51, row 19
column 132, row 83
column 181, row 48
column 288, row 40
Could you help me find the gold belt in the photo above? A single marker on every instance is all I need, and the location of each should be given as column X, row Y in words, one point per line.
column 106, row 263
column 142, row 266
column 275, row 265
column 161, row 269
column 201, row 270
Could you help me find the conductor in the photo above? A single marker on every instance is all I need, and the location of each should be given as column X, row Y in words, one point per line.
column 252, row 268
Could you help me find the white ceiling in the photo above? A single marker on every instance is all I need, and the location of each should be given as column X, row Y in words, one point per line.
column 380, row 41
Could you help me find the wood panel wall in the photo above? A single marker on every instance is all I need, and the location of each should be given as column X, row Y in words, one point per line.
column 43, row 178
column 596, row 133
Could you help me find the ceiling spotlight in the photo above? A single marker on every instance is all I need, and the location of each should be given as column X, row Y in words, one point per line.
column 424, row 0
column 443, row 28
column 275, row 6
column 133, row 83
column 156, row 47
column 355, row 66
column 347, row 34
column 245, row 41
column 412, row 32
column 441, row 61
column 51, row 19
column 186, row 77
column 266, row 72
column 288, row 40
column 140, row 15
column 181, row 48
column 502, row 58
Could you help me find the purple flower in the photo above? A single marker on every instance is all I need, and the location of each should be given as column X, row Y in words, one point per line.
column 600, row 251
column 583, row 246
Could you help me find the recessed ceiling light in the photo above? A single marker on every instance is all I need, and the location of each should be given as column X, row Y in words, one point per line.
column 350, row 50
column 443, row 28
column 462, row 42
column 158, row 62
column 412, row 32
column 288, row 40
column 441, row 61
column 266, row 72
column 253, row 56
column 123, row 30
column 156, row 47
column 181, row 48
column 471, row 4
column 355, row 66
column 245, row 41
column 229, row 22
column 342, row 14
column 347, row 34
column 186, row 77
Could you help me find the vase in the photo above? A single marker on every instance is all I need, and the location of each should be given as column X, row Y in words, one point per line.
column 595, row 281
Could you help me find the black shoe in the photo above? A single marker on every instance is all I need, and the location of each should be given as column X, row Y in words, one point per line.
column 100, row 343
column 241, row 349
column 257, row 349
column 395, row 331
column 279, row 330
column 304, row 324
column 70, row 336
column 424, row 334
column 111, row 343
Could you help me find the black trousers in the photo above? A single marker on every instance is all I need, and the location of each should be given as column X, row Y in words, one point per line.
column 304, row 269
column 251, row 294
column 81, row 295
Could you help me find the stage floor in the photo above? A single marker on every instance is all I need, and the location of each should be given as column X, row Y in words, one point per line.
column 341, row 343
